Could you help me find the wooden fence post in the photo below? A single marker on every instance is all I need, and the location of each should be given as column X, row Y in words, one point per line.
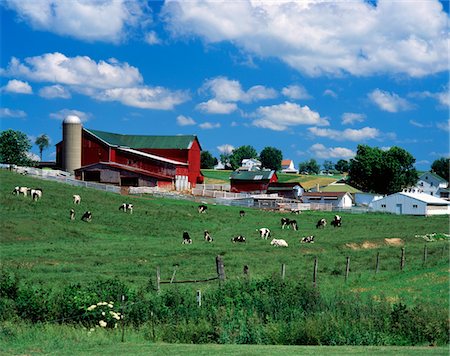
column 174, row 272
column 402, row 261
column 199, row 297
column 425, row 254
column 158, row 280
column 315, row 273
column 283, row 270
column 377, row 267
column 220, row 268
column 347, row 269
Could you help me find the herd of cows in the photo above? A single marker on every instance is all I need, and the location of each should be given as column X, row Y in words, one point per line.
column 264, row 233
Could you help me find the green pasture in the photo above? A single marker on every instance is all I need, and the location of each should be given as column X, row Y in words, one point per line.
column 43, row 247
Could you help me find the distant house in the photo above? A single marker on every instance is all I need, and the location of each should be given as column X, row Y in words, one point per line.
column 219, row 166
column 432, row 184
column 252, row 181
column 290, row 190
column 287, row 166
column 250, row 164
column 336, row 199
column 412, row 204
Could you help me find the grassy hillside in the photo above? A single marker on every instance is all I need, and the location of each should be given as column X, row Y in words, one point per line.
column 42, row 246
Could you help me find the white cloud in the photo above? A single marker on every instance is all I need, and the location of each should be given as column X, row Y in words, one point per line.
column 296, row 92
column 106, row 20
column 389, row 102
column 152, row 38
column 444, row 125
column 54, row 91
column 350, row 118
column 216, row 107
column 366, row 133
column 322, row 36
column 442, row 97
column 185, row 120
column 209, row 125
column 419, row 124
column 18, row 87
column 226, row 148
column 329, row 92
column 5, row 113
column 144, row 97
column 320, row 151
column 33, row 156
column 280, row 117
column 62, row 114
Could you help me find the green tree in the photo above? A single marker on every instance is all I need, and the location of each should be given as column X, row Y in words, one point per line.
column 342, row 165
column 328, row 165
column 207, row 160
column 310, row 166
column 14, row 147
column 42, row 142
column 383, row 172
column 441, row 167
column 271, row 158
column 240, row 153
column 225, row 159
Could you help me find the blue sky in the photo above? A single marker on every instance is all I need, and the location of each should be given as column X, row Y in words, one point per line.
column 312, row 78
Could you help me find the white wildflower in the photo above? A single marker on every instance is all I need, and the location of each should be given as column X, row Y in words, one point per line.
column 110, row 305
column 103, row 323
column 92, row 307
column 103, row 313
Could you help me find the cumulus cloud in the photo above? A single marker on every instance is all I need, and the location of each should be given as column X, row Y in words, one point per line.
column 282, row 116
column 320, row 151
column 444, row 125
column 106, row 20
column 209, row 125
column 226, row 148
column 295, row 92
column 442, row 97
column 185, row 120
column 152, row 38
column 54, row 91
column 366, row 133
column 216, row 107
column 389, row 102
column 323, row 37
column 11, row 113
column 62, row 114
column 329, row 92
column 350, row 118
column 18, row 87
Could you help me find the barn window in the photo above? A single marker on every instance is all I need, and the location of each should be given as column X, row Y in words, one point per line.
column 414, row 205
column 383, row 205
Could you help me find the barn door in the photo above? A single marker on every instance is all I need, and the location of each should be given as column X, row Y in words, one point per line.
column 398, row 209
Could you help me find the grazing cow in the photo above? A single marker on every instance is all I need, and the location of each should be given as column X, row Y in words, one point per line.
column 125, row 207
column 264, row 233
column 308, row 239
column 20, row 190
column 279, row 242
column 242, row 213
column 36, row 194
column 202, row 208
column 321, row 223
column 295, row 211
column 72, row 214
column 76, row 199
column 293, row 224
column 238, row 238
column 285, row 222
column 87, row 216
column 208, row 237
column 337, row 222
column 186, row 238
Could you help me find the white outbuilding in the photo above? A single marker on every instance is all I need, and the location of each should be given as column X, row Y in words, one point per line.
column 412, row 204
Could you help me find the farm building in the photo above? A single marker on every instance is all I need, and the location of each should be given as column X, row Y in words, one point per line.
column 129, row 160
column 250, row 164
column 366, row 199
column 336, row 199
column 287, row 166
column 290, row 190
column 412, row 204
column 432, row 184
column 252, row 181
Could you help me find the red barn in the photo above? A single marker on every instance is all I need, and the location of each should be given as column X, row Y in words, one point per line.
column 252, row 181
column 137, row 160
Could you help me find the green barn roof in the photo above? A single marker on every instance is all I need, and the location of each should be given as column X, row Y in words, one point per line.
column 141, row 141
column 252, row 175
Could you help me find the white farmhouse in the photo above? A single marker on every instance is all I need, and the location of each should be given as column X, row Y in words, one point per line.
column 250, row 164
column 432, row 184
column 412, row 204
column 287, row 166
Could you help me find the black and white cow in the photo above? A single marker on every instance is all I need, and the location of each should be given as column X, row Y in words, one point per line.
column 72, row 214
column 186, row 238
column 337, row 222
column 202, row 208
column 20, row 190
column 321, row 223
column 264, row 233
column 238, row 238
column 76, row 199
column 285, row 222
column 242, row 213
column 208, row 237
column 126, row 207
column 36, row 193
column 308, row 239
column 293, row 224
column 87, row 216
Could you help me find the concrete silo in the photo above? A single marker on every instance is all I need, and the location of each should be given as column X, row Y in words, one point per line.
column 71, row 155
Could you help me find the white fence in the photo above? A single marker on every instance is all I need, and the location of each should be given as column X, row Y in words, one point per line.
column 220, row 187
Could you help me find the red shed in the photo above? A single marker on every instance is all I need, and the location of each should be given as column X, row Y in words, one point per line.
column 252, row 181
column 137, row 159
